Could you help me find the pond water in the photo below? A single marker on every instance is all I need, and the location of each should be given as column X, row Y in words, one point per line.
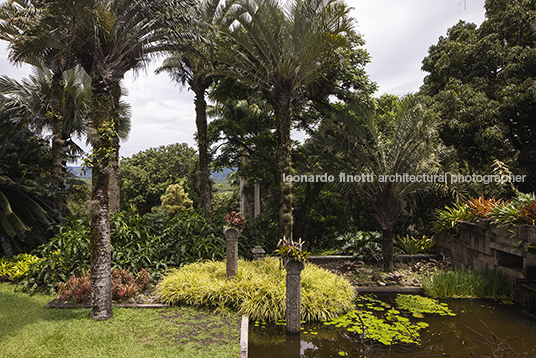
column 480, row 326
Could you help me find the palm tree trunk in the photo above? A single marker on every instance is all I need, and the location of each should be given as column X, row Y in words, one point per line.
column 387, row 249
column 100, row 246
column 56, row 117
column 115, row 192
column 283, row 117
column 203, row 175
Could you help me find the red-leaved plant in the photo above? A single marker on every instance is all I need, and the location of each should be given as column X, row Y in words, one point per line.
column 527, row 212
column 479, row 208
column 235, row 219
column 124, row 287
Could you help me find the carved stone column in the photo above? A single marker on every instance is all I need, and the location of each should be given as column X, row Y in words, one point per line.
column 294, row 269
column 231, row 250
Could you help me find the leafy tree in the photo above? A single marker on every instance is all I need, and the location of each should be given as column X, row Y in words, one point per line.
column 146, row 175
column 482, row 80
column 400, row 138
column 175, row 200
column 283, row 54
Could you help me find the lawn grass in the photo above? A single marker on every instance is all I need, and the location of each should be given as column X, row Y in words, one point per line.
column 29, row 330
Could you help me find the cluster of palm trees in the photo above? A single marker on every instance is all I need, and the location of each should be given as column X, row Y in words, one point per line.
column 283, row 53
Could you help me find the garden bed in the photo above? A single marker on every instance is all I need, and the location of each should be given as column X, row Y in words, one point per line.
column 370, row 276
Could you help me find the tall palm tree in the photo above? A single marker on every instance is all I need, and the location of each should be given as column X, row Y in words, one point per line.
column 115, row 37
column 404, row 142
column 282, row 53
column 42, row 33
column 192, row 65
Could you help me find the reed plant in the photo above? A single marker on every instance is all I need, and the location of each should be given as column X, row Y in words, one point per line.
column 258, row 289
column 466, row 283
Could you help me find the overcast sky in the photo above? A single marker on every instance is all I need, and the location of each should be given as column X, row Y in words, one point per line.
column 398, row 34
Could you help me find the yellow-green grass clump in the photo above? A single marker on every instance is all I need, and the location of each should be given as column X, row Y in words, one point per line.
column 258, row 290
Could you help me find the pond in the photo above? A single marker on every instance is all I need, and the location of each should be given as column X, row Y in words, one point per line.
column 479, row 326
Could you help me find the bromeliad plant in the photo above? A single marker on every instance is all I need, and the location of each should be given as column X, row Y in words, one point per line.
column 234, row 219
column 290, row 249
column 521, row 209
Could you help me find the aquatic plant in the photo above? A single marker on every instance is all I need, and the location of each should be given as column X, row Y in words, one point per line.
column 379, row 321
column 418, row 305
column 466, row 283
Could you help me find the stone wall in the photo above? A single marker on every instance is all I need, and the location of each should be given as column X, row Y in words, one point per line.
column 483, row 245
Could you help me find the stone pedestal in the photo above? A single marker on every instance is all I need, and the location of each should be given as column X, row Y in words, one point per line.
column 231, row 249
column 294, row 269
column 258, row 253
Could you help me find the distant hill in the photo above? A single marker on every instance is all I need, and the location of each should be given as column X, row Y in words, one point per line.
column 221, row 176
column 77, row 171
column 216, row 176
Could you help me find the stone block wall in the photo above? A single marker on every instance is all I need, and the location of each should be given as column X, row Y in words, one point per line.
column 484, row 245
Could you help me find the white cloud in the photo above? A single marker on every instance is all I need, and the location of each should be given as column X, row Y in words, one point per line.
column 398, row 34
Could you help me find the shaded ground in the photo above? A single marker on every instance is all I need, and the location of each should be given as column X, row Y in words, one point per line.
column 365, row 274
column 202, row 327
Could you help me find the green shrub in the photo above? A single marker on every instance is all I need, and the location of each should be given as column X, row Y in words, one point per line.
column 152, row 242
column 17, row 267
column 258, row 289
column 411, row 245
column 360, row 243
column 65, row 255
column 467, row 283
column 446, row 219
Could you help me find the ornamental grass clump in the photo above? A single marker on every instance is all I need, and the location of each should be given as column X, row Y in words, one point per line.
column 464, row 283
column 258, row 290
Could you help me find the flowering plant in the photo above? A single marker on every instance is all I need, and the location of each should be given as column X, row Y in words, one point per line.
column 234, row 219
column 288, row 248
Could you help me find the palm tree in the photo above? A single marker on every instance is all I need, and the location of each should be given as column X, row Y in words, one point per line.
column 406, row 141
column 41, row 32
column 192, row 66
column 282, row 53
column 116, row 37
column 34, row 96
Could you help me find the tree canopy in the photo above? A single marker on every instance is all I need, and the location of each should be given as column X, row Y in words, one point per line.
column 482, row 80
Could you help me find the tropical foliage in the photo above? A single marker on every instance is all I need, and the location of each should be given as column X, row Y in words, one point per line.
column 26, row 198
column 411, row 245
column 404, row 141
column 152, row 242
column 518, row 210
